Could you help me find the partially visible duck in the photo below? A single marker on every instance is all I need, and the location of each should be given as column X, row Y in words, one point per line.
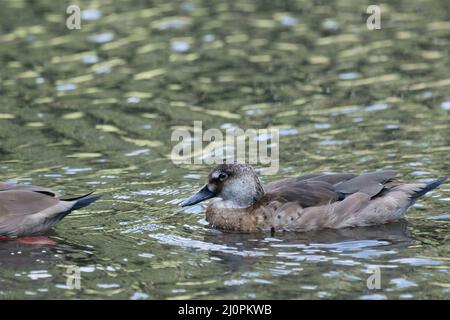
column 309, row 202
column 27, row 210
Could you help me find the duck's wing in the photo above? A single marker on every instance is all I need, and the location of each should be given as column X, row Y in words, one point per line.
column 331, row 178
column 24, row 212
column 371, row 183
column 4, row 186
column 305, row 193
column 30, row 210
column 321, row 189
column 280, row 183
column 24, row 202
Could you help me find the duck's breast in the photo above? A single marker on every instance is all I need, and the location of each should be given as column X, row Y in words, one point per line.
column 228, row 218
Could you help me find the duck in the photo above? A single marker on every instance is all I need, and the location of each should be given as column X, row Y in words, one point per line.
column 311, row 202
column 27, row 210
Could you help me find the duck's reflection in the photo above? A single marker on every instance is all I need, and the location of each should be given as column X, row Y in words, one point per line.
column 392, row 232
column 383, row 237
column 17, row 255
column 34, row 252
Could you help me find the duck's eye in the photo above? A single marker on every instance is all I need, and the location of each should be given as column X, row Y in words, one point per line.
column 223, row 176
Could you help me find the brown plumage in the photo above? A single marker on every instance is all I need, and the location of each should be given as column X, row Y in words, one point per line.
column 310, row 202
column 27, row 210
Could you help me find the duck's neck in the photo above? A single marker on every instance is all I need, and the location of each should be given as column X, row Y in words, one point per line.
column 259, row 191
column 245, row 199
column 219, row 203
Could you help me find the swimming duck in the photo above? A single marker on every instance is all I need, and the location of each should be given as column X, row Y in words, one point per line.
column 27, row 210
column 311, row 202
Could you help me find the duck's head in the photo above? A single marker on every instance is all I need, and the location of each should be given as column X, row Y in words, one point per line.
column 236, row 183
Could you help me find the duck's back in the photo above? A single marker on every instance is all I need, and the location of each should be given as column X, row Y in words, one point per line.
column 309, row 190
column 319, row 201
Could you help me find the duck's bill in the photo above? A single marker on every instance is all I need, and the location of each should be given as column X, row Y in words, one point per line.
column 202, row 195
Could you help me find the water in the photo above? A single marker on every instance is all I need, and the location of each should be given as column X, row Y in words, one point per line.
column 95, row 108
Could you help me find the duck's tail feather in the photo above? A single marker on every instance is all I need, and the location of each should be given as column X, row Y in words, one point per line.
column 428, row 187
column 80, row 202
column 83, row 201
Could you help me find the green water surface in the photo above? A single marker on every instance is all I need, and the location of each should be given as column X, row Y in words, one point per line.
column 94, row 109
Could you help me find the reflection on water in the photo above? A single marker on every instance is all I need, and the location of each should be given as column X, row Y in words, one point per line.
column 95, row 108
